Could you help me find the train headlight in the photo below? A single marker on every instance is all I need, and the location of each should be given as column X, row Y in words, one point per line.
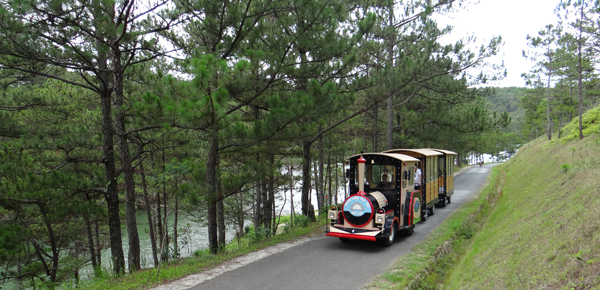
column 379, row 219
column 332, row 215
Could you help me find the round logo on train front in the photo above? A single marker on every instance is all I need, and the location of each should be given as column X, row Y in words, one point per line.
column 357, row 206
column 416, row 212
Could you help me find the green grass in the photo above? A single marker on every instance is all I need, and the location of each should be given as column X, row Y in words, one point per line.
column 590, row 121
column 426, row 266
column 203, row 260
column 543, row 233
column 535, row 225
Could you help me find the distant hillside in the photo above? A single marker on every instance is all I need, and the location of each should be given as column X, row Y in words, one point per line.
column 544, row 232
column 508, row 100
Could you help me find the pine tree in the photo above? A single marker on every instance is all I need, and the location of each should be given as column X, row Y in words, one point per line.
column 100, row 41
column 579, row 15
column 544, row 54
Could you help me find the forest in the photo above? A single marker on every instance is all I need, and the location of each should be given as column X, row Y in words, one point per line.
column 563, row 84
column 205, row 109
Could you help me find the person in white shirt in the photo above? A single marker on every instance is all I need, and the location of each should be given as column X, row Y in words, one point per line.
column 418, row 177
column 389, row 176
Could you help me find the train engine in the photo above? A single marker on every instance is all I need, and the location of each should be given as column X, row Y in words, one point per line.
column 382, row 199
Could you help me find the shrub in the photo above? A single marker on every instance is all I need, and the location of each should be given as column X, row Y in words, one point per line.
column 467, row 229
column 301, row 221
column 260, row 235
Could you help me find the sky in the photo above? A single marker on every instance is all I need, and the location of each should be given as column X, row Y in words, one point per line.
column 511, row 19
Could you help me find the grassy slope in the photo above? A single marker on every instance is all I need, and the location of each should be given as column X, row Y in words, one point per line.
column 543, row 233
column 425, row 266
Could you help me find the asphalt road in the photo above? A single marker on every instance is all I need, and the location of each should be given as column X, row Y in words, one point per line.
column 332, row 264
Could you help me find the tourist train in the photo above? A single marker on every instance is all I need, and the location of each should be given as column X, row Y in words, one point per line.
column 384, row 199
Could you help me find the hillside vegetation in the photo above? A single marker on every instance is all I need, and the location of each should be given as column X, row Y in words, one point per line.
column 509, row 100
column 543, row 232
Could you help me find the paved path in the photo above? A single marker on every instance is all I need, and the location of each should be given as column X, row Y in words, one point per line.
column 324, row 260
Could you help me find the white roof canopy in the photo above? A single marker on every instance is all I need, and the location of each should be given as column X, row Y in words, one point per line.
column 397, row 156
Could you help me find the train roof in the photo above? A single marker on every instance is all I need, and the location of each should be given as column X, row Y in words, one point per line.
column 444, row 151
column 398, row 156
column 423, row 151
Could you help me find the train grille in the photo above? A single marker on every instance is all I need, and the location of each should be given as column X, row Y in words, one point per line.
column 358, row 210
column 357, row 221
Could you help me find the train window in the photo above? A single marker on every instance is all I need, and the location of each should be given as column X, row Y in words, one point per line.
column 429, row 170
column 382, row 176
column 374, row 176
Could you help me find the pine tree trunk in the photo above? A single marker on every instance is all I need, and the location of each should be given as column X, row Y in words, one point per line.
column 257, row 206
column 317, row 186
column 375, row 123
column 176, row 253
column 130, row 218
column 159, row 224
column 337, row 185
column 390, row 100
column 265, row 200
column 580, row 73
column 211, row 178
column 306, row 182
column 90, row 236
column 292, row 211
column 365, row 132
column 240, row 214
column 321, row 191
column 560, row 125
column 328, row 199
column 18, row 280
column 53, row 270
column 149, row 211
column 220, row 208
column 269, row 213
column 548, row 106
column 112, row 196
column 165, row 250
column 98, row 248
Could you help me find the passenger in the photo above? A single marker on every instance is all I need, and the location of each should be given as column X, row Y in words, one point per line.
column 384, row 182
column 389, row 176
column 418, row 177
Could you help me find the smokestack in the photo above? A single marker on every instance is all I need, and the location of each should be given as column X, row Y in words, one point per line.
column 361, row 175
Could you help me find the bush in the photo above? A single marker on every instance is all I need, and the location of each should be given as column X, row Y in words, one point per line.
column 287, row 228
column 260, row 235
column 202, row 253
column 301, row 221
column 467, row 229
column 323, row 211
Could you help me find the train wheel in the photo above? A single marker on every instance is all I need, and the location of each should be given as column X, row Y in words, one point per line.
column 432, row 210
column 448, row 200
column 424, row 215
column 344, row 240
column 441, row 203
column 390, row 240
column 410, row 231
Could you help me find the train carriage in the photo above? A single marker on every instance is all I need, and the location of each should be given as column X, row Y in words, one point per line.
column 382, row 199
column 445, row 176
column 428, row 163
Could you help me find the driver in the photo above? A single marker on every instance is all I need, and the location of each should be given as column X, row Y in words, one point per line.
column 384, row 182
